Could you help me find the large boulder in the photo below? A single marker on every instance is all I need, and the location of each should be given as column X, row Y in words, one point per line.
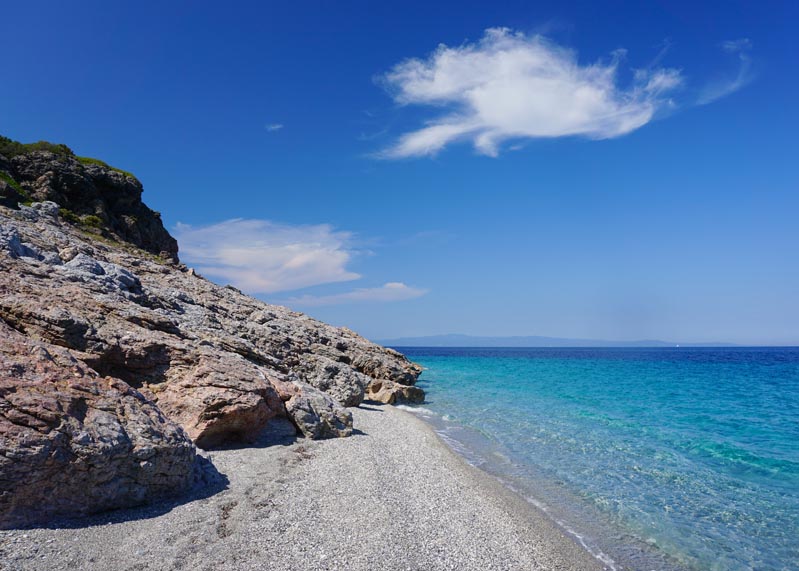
column 389, row 392
column 221, row 398
column 316, row 414
column 72, row 442
column 339, row 380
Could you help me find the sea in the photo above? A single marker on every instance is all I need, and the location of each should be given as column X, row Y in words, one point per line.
column 674, row 459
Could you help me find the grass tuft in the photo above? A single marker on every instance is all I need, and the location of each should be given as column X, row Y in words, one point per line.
column 91, row 161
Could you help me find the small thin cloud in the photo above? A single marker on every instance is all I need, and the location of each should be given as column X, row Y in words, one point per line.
column 737, row 46
column 427, row 238
column 721, row 87
column 391, row 291
column 273, row 127
column 364, row 136
column 260, row 256
column 510, row 85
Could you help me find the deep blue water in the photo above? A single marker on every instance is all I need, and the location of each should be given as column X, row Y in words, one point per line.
column 683, row 458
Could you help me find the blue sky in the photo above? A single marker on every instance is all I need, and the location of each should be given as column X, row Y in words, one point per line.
column 534, row 168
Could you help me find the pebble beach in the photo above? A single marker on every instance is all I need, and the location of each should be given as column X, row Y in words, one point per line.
column 393, row 496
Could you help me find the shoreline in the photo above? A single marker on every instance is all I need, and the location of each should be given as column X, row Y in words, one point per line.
column 392, row 496
column 484, row 456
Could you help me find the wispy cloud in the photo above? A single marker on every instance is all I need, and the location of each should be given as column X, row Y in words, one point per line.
column 272, row 127
column 259, row 256
column 392, row 291
column 513, row 86
column 721, row 87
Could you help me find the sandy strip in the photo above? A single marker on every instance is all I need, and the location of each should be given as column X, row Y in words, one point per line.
column 391, row 497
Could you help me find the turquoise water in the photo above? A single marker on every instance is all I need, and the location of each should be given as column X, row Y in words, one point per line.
column 652, row 458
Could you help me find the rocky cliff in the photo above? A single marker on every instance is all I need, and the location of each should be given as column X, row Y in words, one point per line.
column 90, row 194
column 116, row 360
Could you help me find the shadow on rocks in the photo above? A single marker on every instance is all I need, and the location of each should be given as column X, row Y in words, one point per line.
column 278, row 432
column 375, row 406
column 208, row 481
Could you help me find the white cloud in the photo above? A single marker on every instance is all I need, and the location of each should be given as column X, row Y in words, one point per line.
column 259, row 256
column 725, row 86
column 392, row 291
column 513, row 86
column 272, row 127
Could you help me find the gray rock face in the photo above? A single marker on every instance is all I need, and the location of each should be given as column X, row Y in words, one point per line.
column 74, row 443
column 96, row 190
column 346, row 385
column 10, row 242
column 317, row 415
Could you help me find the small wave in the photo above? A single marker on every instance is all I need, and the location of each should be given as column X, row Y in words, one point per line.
column 420, row 410
column 472, row 459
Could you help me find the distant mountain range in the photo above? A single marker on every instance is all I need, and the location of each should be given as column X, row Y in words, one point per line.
column 457, row 340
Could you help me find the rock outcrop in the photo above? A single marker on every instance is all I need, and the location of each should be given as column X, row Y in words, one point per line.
column 92, row 195
column 165, row 357
column 209, row 356
column 72, row 442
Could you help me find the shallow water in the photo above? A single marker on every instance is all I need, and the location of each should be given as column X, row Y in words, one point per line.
column 684, row 458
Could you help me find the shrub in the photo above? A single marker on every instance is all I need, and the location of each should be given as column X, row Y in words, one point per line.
column 92, row 221
column 69, row 216
column 10, row 148
column 14, row 184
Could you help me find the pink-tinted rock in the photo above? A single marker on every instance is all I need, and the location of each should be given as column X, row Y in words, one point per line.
column 389, row 392
column 72, row 442
column 222, row 398
column 209, row 356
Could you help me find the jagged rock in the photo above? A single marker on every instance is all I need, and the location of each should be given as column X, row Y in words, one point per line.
column 222, row 398
column 389, row 392
column 339, row 380
column 285, row 389
column 46, row 208
column 9, row 195
column 93, row 189
column 215, row 360
column 74, row 443
column 11, row 244
column 317, row 415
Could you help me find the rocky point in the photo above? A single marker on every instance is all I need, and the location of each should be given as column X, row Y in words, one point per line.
column 116, row 360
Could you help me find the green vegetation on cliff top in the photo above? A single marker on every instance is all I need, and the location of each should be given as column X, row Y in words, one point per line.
column 10, row 148
column 91, row 161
